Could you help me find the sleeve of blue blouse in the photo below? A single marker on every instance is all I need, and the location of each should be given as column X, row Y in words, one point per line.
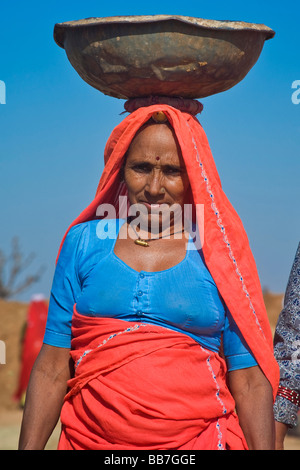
column 236, row 351
column 65, row 289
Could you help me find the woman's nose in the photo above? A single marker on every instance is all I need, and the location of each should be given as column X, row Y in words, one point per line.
column 154, row 185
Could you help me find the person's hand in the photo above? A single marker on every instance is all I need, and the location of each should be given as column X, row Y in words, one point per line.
column 280, row 433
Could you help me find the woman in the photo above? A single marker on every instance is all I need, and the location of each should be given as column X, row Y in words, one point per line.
column 287, row 353
column 152, row 314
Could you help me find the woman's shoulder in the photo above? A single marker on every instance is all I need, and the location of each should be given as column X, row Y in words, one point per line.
column 95, row 232
column 95, row 224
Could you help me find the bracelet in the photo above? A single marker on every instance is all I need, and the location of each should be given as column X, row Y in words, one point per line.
column 289, row 394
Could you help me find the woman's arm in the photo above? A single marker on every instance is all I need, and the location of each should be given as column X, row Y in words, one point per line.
column 46, row 390
column 253, row 396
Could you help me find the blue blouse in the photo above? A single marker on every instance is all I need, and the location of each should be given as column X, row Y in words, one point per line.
column 183, row 298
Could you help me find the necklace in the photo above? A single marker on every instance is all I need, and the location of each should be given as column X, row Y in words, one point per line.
column 144, row 242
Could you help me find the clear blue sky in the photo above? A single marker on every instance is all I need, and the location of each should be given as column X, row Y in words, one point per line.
column 54, row 126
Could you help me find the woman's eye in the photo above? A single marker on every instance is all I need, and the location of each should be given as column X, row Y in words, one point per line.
column 172, row 171
column 142, row 168
column 146, row 168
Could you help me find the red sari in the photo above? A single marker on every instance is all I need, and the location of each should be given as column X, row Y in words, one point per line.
column 139, row 386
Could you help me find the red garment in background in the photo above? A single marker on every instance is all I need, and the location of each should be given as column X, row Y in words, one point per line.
column 32, row 341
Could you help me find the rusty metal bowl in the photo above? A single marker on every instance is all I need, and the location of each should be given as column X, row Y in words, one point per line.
column 137, row 56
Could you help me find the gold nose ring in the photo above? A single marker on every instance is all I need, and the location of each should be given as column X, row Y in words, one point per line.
column 159, row 117
column 162, row 191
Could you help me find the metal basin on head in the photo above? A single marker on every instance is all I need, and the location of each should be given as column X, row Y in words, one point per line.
column 137, row 56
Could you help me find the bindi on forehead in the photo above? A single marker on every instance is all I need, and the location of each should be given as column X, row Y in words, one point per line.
column 157, row 158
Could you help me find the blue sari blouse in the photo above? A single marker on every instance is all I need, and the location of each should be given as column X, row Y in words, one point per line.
column 183, row 298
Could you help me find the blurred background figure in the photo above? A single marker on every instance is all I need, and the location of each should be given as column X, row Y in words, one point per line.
column 31, row 342
column 287, row 353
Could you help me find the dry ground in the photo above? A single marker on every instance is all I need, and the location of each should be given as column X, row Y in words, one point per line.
column 12, row 320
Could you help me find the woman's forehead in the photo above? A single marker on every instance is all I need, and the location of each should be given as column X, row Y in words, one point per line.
column 159, row 132
column 155, row 141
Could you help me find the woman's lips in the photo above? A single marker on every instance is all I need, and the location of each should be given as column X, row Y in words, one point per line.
column 152, row 206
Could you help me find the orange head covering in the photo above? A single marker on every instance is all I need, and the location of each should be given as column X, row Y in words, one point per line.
column 226, row 248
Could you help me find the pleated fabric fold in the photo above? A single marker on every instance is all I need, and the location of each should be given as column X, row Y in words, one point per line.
column 144, row 387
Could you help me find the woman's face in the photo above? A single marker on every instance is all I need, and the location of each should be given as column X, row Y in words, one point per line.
column 154, row 171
